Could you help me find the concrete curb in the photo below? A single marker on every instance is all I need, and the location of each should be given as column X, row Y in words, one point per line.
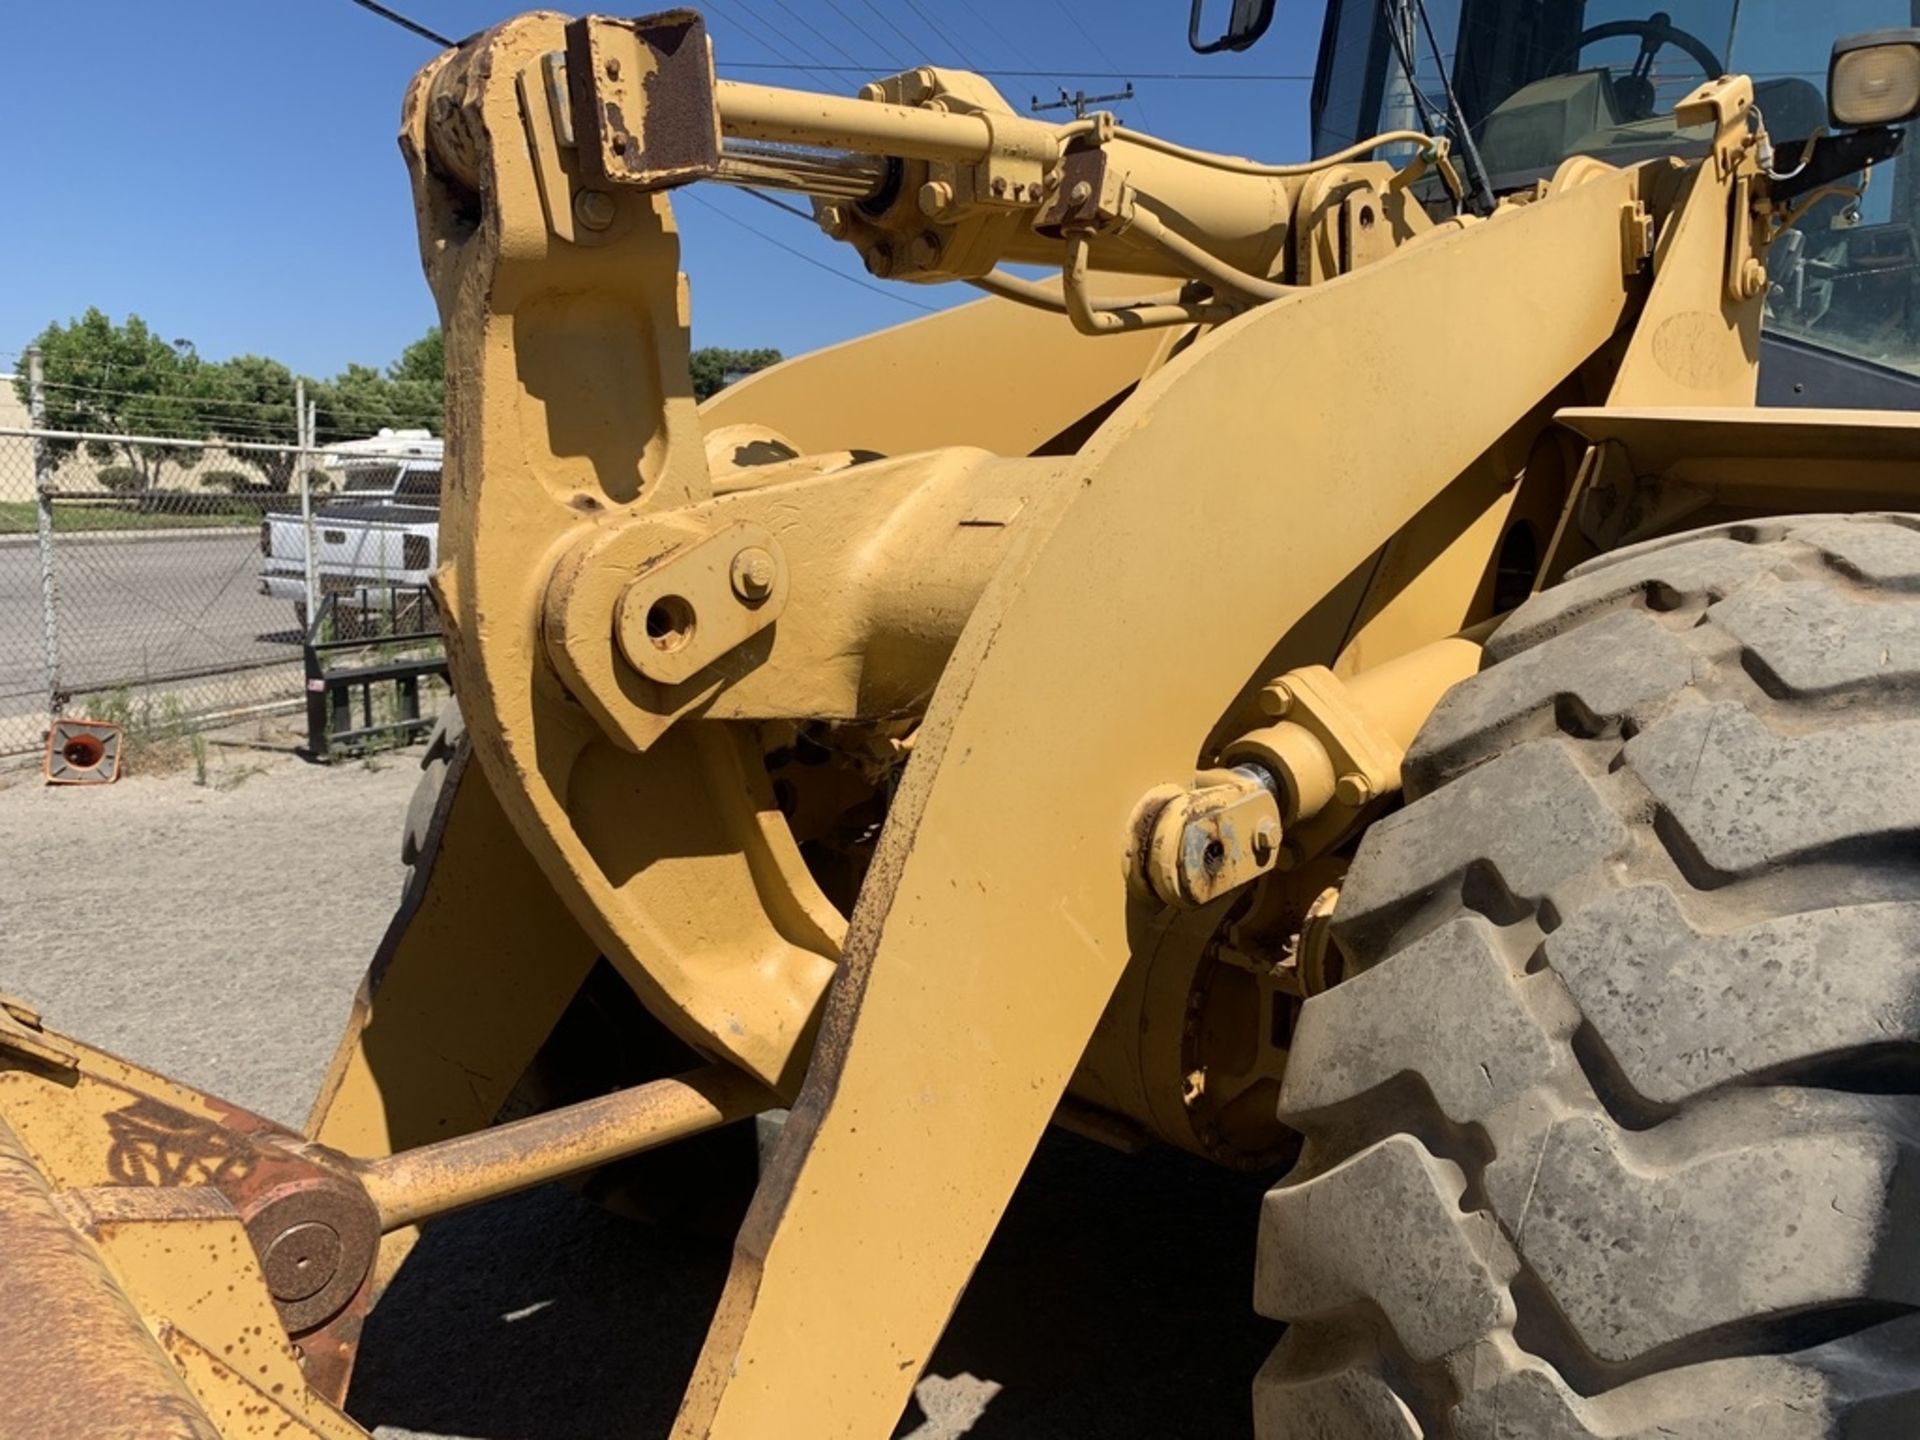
column 96, row 537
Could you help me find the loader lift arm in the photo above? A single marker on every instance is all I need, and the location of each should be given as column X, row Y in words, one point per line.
column 1074, row 595
column 1096, row 648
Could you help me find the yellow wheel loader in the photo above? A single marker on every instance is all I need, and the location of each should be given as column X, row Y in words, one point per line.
column 1335, row 673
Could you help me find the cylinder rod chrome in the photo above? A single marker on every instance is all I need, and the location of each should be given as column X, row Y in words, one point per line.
column 807, row 172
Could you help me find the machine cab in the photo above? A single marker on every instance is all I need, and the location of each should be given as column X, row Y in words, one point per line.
column 1538, row 81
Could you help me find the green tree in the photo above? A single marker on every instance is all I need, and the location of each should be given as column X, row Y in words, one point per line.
column 408, row 394
column 121, row 380
column 715, row 368
column 252, row 397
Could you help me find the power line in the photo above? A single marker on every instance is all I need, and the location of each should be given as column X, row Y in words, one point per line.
column 1098, row 49
column 814, row 30
column 913, row 46
column 762, row 195
column 787, row 50
column 860, row 28
column 405, row 24
column 988, row 26
column 945, row 39
column 802, row 255
column 1179, row 75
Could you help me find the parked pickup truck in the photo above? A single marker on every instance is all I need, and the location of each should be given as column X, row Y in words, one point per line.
column 376, row 535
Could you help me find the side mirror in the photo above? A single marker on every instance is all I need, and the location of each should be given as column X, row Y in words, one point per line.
column 1873, row 78
column 1246, row 22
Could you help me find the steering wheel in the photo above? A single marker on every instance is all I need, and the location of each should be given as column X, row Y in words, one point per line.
column 1634, row 90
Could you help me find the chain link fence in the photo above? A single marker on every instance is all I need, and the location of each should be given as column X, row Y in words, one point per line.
column 164, row 583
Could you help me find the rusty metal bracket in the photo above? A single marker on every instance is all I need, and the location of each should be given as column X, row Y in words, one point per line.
column 644, row 112
column 21, row 1033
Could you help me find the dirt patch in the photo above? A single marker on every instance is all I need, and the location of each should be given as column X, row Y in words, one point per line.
column 216, row 930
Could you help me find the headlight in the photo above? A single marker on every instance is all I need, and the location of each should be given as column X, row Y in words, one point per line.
column 1874, row 79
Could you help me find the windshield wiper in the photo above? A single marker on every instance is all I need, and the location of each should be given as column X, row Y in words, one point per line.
column 1479, row 186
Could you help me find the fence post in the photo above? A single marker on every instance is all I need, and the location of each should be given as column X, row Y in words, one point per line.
column 303, row 430
column 43, row 506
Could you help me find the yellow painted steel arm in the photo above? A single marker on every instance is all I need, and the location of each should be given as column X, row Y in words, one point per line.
column 570, row 413
column 995, row 921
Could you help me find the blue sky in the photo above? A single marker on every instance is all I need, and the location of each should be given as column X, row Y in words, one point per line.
column 227, row 169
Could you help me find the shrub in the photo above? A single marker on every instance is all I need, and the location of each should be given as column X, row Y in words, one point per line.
column 120, row 479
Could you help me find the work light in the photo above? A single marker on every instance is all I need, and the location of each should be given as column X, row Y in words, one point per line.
column 1874, row 78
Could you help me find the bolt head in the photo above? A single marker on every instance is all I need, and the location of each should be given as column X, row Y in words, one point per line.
column 595, row 209
column 935, row 197
column 999, row 184
column 1353, row 789
column 924, row 253
column 1276, row 700
column 613, row 69
column 1265, row 841
column 1080, row 193
column 753, row 573
column 834, row 220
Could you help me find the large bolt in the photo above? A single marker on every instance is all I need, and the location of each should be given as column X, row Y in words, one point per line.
column 753, row 572
column 834, row 220
column 1353, row 789
column 594, row 209
column 1080, row 193
column 1265, row 841
column 924, row 252
column 1276, row 699
column 935, row 197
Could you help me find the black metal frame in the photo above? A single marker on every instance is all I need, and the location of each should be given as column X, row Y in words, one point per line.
column 330, row 692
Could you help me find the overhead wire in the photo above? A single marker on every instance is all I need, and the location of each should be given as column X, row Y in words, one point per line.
column 405, row 24
column 815, row 67
column 777, row 204
column 913, row 46
column 860, row 28
column 827, row 40
column 799, row 47
column 1100, row 50
column 1181, row 76
column 945, row 39
column 893, row 295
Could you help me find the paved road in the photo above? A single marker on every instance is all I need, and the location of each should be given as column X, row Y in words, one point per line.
column 1113, row 1303
column 131, row 609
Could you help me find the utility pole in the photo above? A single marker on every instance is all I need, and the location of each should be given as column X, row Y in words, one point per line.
column 43, row 507
column 1079, row 101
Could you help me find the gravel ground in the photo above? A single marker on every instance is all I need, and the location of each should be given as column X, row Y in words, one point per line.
column 217, row 932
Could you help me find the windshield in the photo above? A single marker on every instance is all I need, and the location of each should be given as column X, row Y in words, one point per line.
column 361, row 478
column 1543, row 79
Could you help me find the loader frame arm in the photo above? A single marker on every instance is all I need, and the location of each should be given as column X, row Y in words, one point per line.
column 1092, row 652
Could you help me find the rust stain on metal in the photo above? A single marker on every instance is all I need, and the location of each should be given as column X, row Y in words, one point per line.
column 105, row 1379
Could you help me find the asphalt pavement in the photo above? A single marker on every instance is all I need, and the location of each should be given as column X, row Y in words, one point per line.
column 140, row 611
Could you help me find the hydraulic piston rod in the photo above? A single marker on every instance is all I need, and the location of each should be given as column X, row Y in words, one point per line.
column 449, row 1175
column 796, row 117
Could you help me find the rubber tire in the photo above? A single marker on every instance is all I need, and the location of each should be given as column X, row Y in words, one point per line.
column 443, row 741
column 1611, row 1131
